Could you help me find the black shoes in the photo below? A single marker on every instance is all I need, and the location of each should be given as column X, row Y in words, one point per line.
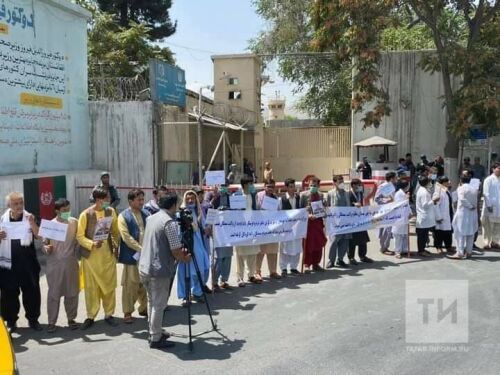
column 366, row 260
column 295, row 272
column 341, row 264
column 284, row 273
column 162, row 343
column 87, row 324
column 34, row 325
column 111, row 321
column 353, row 262
column 11, row 327
column 330, row 264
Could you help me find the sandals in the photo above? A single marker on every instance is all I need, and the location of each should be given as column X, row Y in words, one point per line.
column 387, row 252
column 72, row 325
column 128, row 319
column 398, row 256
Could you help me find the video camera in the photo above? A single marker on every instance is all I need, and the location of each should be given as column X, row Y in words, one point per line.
column 185, row 219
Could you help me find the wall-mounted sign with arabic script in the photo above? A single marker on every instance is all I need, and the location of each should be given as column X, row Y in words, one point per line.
column 43, row 79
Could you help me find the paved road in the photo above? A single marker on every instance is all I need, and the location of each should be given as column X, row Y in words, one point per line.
column 340, row 322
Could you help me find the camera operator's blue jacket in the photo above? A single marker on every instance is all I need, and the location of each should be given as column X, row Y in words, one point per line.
column 126, row 255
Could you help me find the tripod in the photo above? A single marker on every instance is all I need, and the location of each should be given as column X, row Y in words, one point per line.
column 188, row 241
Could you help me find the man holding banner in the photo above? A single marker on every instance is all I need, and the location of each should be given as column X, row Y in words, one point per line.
column 383, row 195
column 268, row 201
column 338, row 197
column 247, row 255
column 315, row 240
column 290, row 250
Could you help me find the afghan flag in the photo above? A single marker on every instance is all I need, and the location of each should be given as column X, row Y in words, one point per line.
column 40, row 195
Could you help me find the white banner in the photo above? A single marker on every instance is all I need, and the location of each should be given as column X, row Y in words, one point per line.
column 242, row 228
column 343, row 220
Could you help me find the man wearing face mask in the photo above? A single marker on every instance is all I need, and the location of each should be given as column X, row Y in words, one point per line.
column 338, row 197
column 465, row 221
column 426, row 217
column 359, row 239
column 290, row 250
column 247, row 255
column 62, row 269
column 98, row 259
column 385, row 194
column 223, row 255
column 315, row 240
column 269, row 250
column 444, row 215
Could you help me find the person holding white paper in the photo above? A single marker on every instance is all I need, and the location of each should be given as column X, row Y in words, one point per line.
column 426, row 214
column 290, row 250
column 19, row 267
column 269, row 250
column 385, row 194
column 62, row 269
column 247, row 255
column 131, row 225
column 98, row 259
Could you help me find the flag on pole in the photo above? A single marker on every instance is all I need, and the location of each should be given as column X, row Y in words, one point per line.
column 40, row 195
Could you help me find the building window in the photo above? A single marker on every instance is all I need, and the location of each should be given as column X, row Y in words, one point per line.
column 280, row 106
column 233, row 81
column 234, row 95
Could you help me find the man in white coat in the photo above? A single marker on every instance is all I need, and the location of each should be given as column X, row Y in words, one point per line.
column 383, row 195
column 426, row 213
column 465, row 222
column 400, row 231
column 443, row 234
column 490, row 217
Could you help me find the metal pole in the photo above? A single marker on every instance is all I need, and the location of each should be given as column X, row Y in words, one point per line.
column 200, row 174
column 224, row 155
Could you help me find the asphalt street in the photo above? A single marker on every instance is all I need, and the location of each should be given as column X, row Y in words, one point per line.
column 335, row 322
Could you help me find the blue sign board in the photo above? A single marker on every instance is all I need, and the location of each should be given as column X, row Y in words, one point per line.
column 168, row 83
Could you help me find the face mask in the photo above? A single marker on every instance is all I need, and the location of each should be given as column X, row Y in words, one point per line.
column 65, row 215
column 433, row 177
column 223, row 190
column 359, row 189
column 341, row 186
column 251, row 189
column 314, row 189
column 105, row 205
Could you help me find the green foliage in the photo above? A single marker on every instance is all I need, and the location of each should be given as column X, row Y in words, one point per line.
column 154, row 14
column 115, row 51
column 464, row 34
column 324, row 81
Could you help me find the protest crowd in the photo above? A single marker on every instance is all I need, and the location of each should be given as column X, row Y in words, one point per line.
column 82, row 253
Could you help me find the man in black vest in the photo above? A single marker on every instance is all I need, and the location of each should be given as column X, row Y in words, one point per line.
column 290, row 250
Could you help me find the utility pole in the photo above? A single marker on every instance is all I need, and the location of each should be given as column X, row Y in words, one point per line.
column 200, row 120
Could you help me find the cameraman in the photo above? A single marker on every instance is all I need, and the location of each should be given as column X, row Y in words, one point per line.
column 160, row 250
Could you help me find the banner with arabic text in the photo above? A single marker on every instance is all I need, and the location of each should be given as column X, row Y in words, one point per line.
column 242, row 228
column 343, row 220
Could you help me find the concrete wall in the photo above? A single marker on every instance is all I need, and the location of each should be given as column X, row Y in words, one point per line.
column 418, row 119
column 298, row 152
column 122, row 141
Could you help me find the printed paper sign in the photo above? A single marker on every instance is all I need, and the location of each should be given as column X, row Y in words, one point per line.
column 53, row 230
column 102, row 228
column 214, row 178
column 270, row 204
column 238, row 202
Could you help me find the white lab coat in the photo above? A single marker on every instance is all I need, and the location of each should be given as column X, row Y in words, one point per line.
column 442, row 208
column 400, row 196
column 491, row 194
column 426, row 214
column 465, row 221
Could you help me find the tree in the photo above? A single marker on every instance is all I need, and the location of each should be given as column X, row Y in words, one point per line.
column 115, row 51
column 324, row 81
column 465, row 36
column 154, row 14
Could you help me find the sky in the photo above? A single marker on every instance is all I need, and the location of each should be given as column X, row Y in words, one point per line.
column 210, row 27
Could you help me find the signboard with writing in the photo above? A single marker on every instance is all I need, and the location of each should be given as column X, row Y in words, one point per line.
column 168, row 83
column 43, row 79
